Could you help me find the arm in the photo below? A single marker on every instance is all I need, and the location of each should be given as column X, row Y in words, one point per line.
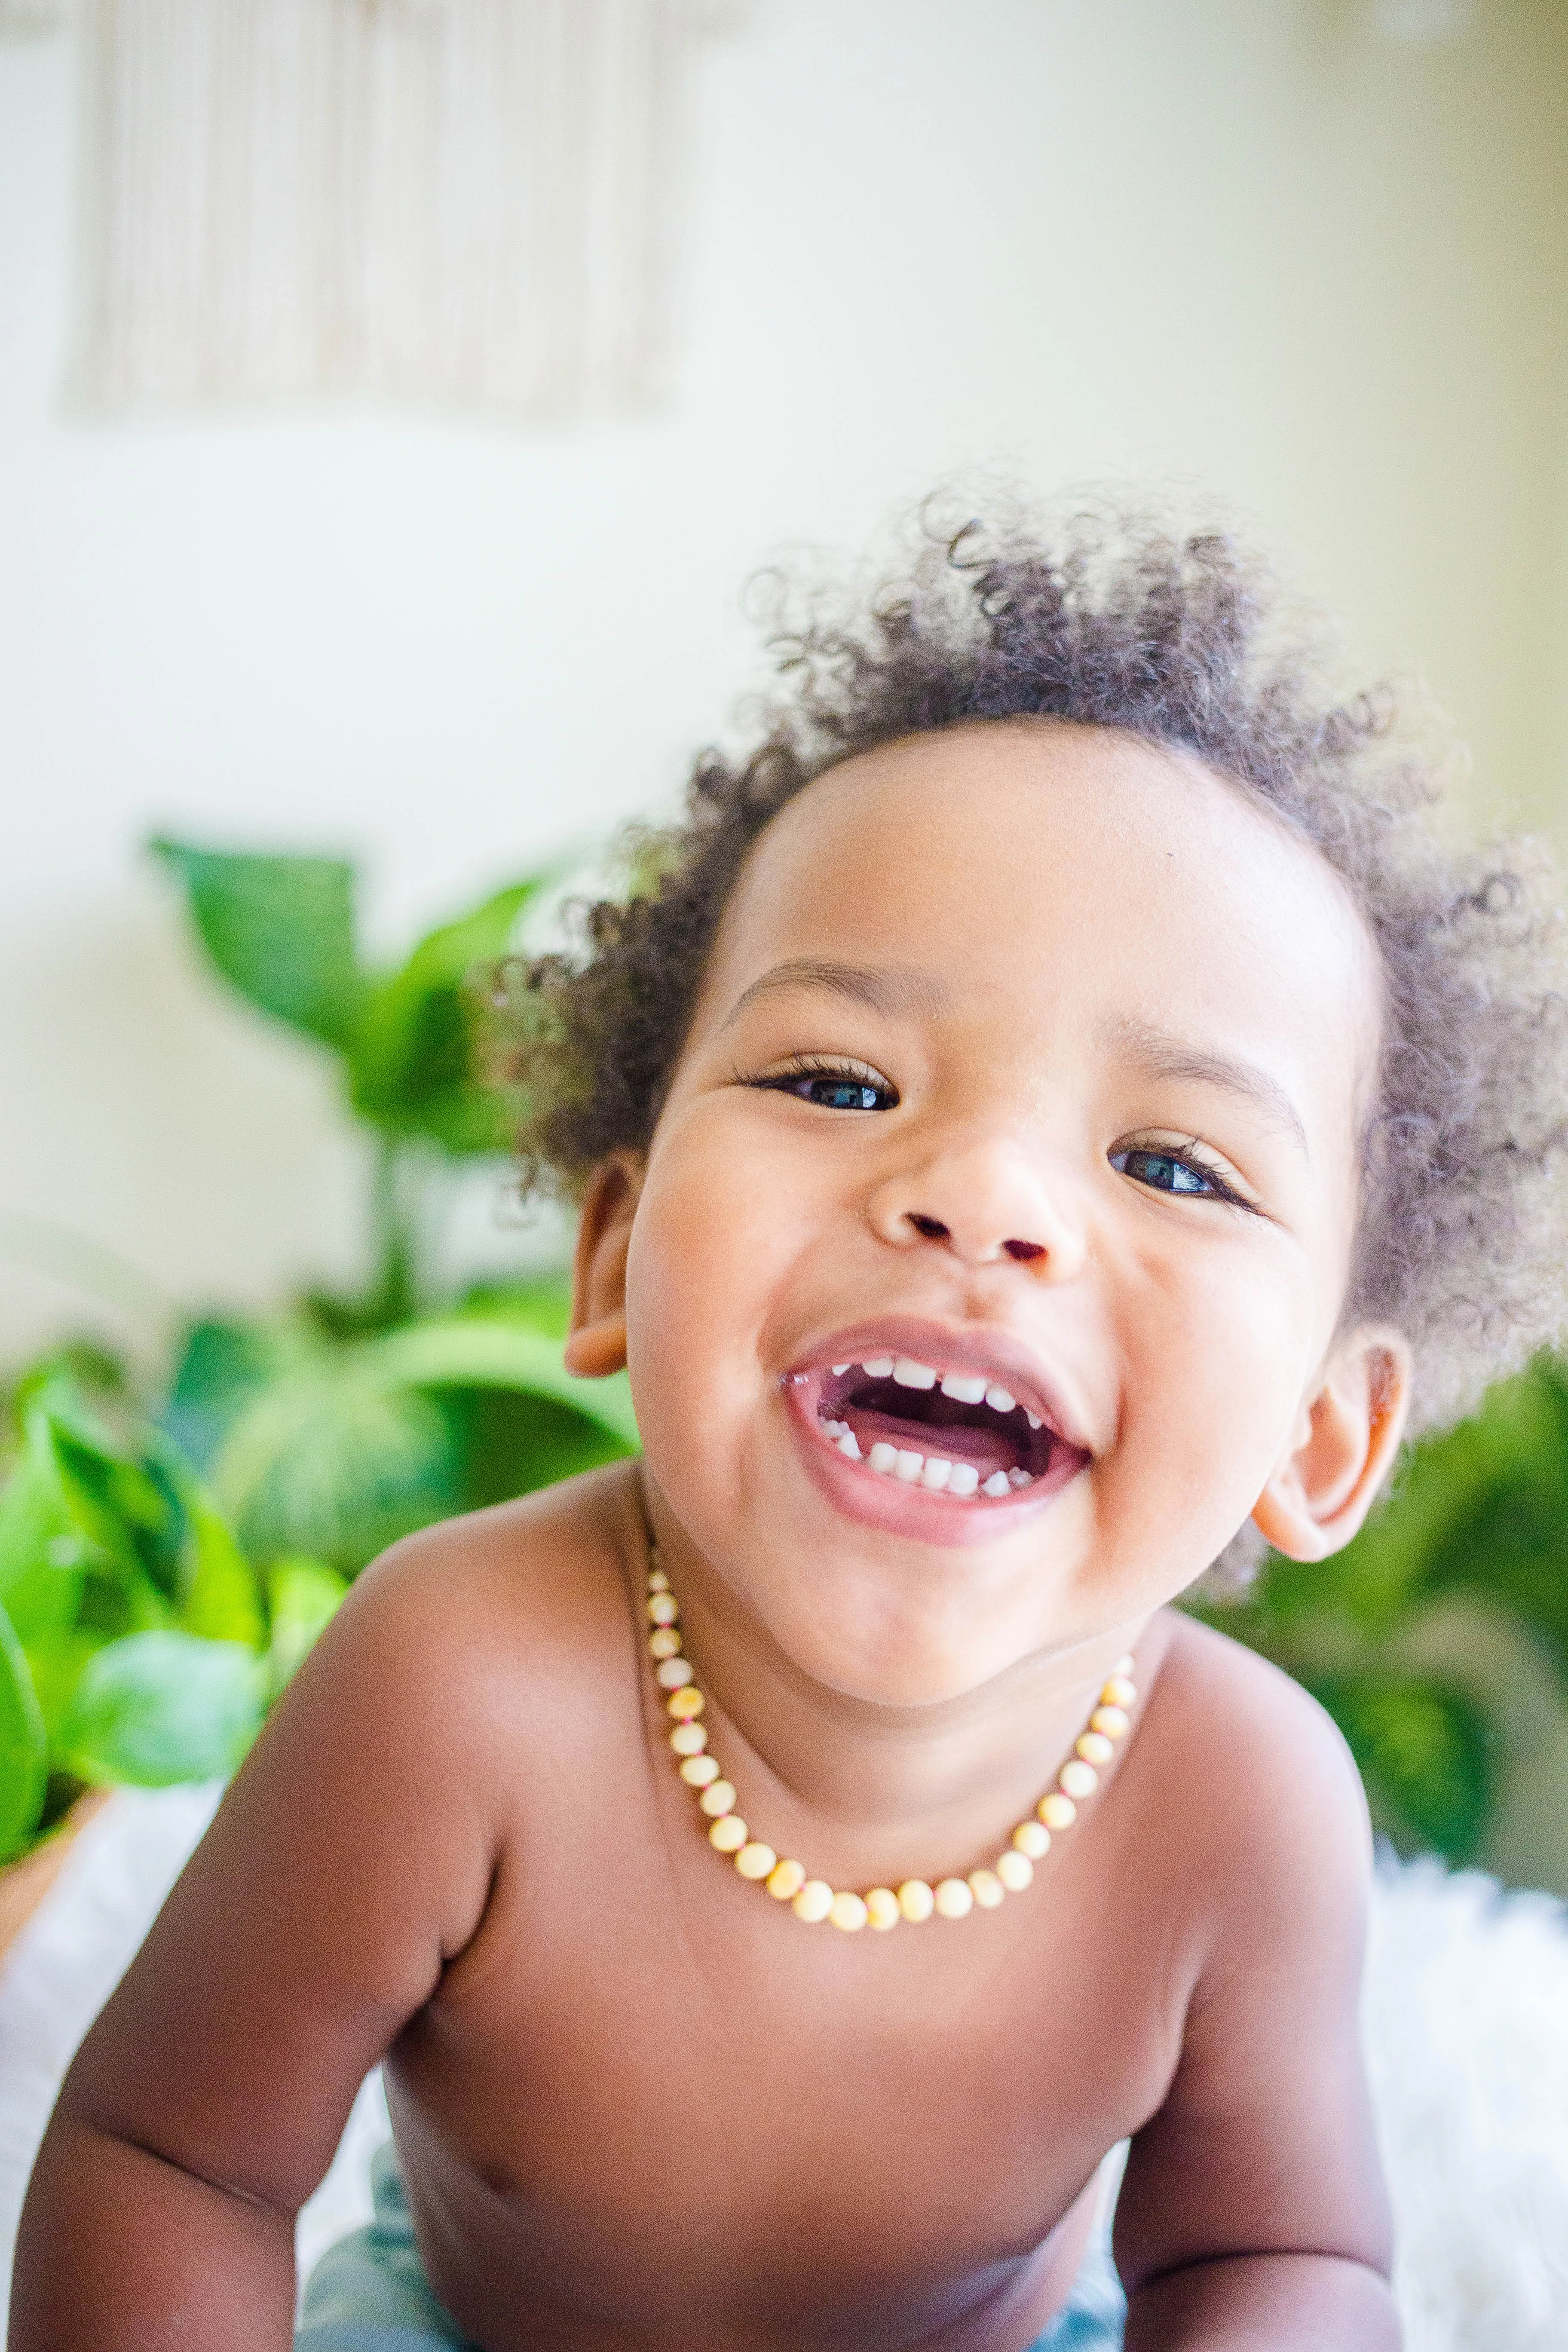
column 1265, row 2303
column 1253, row 2217
column 350, row 1861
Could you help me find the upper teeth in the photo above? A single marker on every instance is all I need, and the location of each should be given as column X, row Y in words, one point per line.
column 965, row 1388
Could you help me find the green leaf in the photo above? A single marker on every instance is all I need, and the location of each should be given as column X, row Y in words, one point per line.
column 1424, row 1752
column 220, row 1596
column 544, row 1304
column 157, row 1709
column 282, row 930
column 77, row 1375
column 41, row 1552
column 334, row 1460
column 56, row 1662
column 482, row 1351
column 302, row 1598
column 508, row 1441
column 24, row 1746
column 220, row 1366
column 358, row 1443
column 413, row 1063
column 124, row 1506
column 1506, row 1540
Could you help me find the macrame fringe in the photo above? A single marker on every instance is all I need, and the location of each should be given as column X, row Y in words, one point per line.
column 468, row 201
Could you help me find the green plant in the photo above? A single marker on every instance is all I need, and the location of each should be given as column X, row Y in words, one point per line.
column 1477, row 1517
column 281, row 930
column 138, row 1643
column 166, row 1560
column 344, row 1423
column 337, row 1445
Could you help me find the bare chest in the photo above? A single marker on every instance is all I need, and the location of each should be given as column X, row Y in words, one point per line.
column 668, row 2071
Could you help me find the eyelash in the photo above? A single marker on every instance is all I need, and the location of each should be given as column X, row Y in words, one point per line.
column 1188, row 1155
column 801, row 1069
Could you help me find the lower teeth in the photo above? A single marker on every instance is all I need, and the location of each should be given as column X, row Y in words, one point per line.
column 932, row 1473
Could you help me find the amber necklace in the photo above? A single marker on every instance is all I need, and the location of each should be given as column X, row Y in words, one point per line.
column 813, row 1899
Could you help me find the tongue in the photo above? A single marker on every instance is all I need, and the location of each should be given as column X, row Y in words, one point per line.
column 988, row 1449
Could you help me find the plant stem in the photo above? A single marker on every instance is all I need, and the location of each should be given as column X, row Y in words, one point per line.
column 392, row 1297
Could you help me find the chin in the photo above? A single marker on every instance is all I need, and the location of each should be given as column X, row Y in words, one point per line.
column 912, row 1633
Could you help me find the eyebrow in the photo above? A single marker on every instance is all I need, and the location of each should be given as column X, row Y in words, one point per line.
column 890, row 990
column 1162, row 1055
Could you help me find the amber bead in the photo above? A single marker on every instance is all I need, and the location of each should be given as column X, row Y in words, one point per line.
column 813, row 1901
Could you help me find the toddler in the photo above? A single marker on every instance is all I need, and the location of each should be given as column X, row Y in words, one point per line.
column 1051, row 1107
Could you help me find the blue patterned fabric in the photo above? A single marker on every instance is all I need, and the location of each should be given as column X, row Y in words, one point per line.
column 369, row 2292
column 1095, row 2314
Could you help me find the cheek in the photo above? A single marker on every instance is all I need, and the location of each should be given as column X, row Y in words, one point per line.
column 710, row 1248
column 1218, row 1370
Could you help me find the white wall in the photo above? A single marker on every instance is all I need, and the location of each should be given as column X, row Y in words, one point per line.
column 1246, row 241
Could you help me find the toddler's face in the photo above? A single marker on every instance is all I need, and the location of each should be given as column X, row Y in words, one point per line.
column 993, row 1234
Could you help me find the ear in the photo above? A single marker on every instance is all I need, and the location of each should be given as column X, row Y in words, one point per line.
column 597, row 1342
column 1341, row 1449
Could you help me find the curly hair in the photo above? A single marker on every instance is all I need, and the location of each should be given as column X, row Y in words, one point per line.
column 1113, row 618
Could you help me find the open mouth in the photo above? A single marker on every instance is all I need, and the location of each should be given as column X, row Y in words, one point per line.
column 958, row 1433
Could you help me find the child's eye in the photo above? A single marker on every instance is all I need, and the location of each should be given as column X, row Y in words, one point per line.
column 839, row 1093
column 1170, row 1169
column 831, row 1085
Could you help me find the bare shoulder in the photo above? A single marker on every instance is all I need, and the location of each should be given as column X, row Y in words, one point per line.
column 533, row 1586
column 454, row 1661
column 1275, row 1794
column 1220, row 1688
column 541, row 1548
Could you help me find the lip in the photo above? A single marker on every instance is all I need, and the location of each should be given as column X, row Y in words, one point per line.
column 888, row 1503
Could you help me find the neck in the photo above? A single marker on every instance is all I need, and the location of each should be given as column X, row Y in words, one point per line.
column 859, row 1790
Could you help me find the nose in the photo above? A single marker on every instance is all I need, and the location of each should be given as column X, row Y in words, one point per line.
column 985, row 1202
